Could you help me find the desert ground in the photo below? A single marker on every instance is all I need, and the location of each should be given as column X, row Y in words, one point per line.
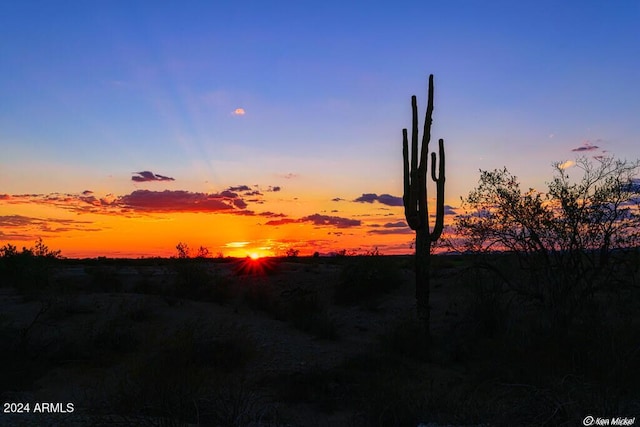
column 318, row 341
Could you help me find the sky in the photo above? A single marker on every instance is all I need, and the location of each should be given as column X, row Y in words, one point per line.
column 262, row 126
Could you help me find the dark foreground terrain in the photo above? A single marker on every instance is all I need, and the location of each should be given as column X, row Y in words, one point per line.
column 303, row 342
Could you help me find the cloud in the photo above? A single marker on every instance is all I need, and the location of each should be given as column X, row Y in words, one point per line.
column 236, row 244
column 566, row 165
column 180, row 201
column 141, row 201
column 47, row 225
column 144, row 201
column 272, row 214
column 395, row 224
column 586, row 147
column 367, row 198
column 229, row 194
column 391, row 231
column 336, row 221
column 146, row 176
column 282, row 221
column 337, row 199
column 239, row 112
column 633, row 186
column 449, row 210
column 17, row 221
column 240, row 188
column 248, row 191
column 319, row 220
column 399, row 227
column 385, row 199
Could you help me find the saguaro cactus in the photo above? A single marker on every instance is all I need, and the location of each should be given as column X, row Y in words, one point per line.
column 416, row 209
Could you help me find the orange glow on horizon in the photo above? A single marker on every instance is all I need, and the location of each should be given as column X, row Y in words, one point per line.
column 136, row 235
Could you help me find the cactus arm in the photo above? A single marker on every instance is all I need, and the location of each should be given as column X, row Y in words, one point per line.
column 409, row 185
column 428, row 119
column 414, row 134
column 439, row 180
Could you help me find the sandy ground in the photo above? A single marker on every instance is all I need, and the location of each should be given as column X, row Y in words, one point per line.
column 280, row 348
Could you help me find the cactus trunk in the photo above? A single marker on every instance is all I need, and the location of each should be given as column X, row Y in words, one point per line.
column 416, row 209
column 423, row 268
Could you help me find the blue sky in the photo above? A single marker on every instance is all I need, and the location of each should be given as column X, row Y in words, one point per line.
column 93, row 92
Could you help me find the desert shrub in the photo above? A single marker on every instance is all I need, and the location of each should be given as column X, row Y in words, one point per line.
column 113, row 337
column 220, row 290
column 365, row 277
column 28, row 270
column 183, row 251
column 307, row 314
column 160, row 386
column 570, row 242
column 405, row 338
column 144, row 284
column 261, row 296
column 98, row 343
column 172, row 381
column 139, row 310
column 326, row 389
column 292, row 253
column 105, row 277
column 194, row 280
column 24, row 358
column 67, row 307
column 191, row 276
column 19, row 366
column 236, row 404
column 385, row 390
column 488, row 305
column 390, row 400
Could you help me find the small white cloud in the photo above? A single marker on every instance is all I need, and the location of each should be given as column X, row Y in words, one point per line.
column 237, row 244
column 239, row 112
column 567, row 164
column 552, row 135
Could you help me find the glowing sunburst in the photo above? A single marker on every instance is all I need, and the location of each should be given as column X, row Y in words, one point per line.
column 255, row 265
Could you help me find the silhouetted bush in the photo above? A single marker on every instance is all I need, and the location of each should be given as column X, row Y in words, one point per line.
column 20, row 367
column 292, row 253
column 570, row 242
column 364, row 277
column 237, row 403
column 405, row 338
column 307, row 314
column 325, row 389
column 195, row 280
column 261, row 296
column 28, row 270
column 168, row 381
column 105, row 277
